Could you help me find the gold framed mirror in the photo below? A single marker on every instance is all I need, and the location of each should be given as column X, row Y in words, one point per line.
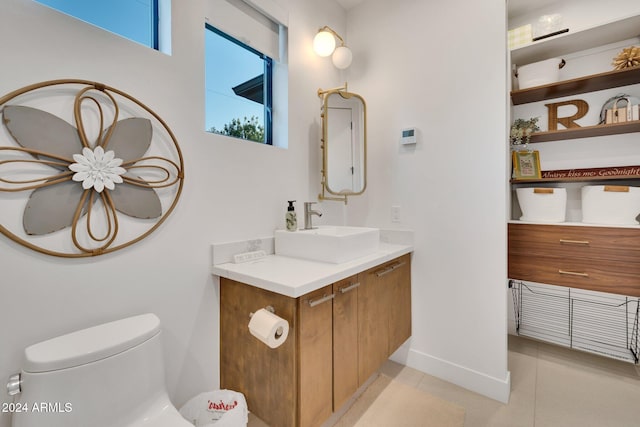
column 344, row 144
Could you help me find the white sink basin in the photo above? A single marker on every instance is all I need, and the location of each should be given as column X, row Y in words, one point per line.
column 334, row 244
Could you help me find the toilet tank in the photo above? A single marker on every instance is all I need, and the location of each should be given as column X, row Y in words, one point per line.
column 105, row 376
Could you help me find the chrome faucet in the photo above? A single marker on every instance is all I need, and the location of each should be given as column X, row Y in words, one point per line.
column 307, row 215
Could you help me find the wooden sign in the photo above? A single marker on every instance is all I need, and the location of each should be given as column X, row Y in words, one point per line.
column 567, row 122
column 594, row 173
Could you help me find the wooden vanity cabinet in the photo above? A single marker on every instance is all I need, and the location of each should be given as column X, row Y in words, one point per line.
column 339, row 336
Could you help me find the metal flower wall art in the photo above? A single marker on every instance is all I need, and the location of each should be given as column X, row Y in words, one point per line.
column 85, row 169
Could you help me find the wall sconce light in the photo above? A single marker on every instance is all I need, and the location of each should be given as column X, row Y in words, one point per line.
column 324, row 44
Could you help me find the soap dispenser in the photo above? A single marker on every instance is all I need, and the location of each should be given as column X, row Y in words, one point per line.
column 291, row 220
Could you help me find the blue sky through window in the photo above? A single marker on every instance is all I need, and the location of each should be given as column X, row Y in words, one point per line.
column 228, row 65
column 133, row 19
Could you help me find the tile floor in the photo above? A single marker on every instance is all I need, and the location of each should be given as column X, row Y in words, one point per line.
column 550, row 387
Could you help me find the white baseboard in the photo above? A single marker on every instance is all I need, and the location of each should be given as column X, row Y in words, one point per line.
column 494, row 388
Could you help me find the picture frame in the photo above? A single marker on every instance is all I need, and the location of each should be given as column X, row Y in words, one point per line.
column 526, row 165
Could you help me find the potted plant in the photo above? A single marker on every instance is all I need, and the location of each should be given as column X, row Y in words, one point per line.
column 522, row 129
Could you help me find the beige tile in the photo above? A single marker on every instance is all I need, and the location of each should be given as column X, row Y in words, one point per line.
column 521, row 408
column 588, row 361
column 478, row 409
column 580, row 392
column 523, row 368
column 518, row 344
column 551, row 386
column 401, row 373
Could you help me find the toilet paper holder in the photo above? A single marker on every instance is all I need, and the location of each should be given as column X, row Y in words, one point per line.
column 279, row 332
column 269, row 308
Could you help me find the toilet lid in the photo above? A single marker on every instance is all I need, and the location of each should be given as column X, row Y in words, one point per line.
column 88, row 345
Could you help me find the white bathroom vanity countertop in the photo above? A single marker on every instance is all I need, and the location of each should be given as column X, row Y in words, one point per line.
column 295, row 277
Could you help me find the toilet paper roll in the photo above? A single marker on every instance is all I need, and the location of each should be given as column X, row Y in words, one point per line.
column 269, row 328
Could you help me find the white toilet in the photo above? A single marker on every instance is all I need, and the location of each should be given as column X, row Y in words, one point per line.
column 110, row 375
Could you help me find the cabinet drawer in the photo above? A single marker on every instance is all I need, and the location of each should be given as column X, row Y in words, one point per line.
column 617, row 277
column 621, row 244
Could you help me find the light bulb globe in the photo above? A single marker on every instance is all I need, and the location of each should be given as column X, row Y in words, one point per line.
column 342, row 57
column 324, row 43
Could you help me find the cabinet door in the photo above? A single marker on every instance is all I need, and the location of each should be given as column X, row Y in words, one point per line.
column 266, row 376
column 399, row 303
column 345, row 340
column 384, row 313
column 315, row 397
column 373, row 320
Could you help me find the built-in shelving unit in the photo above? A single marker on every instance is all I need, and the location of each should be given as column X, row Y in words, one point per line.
column 578, row 283
column 584, row 84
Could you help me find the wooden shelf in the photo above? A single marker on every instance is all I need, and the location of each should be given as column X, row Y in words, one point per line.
column 584, row 84
column 576, row 40
column 586, row 132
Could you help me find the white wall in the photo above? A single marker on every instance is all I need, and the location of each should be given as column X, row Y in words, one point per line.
column 233, row 190
column 426, row 64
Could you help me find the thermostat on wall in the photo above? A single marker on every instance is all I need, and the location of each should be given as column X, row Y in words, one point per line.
column 408, row 136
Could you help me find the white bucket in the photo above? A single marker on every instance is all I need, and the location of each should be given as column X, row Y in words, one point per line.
column 610, row 204
column 542, row 204
column 540, row 73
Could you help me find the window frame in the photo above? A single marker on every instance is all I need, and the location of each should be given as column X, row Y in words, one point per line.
column 154, row 18
column 267, row 83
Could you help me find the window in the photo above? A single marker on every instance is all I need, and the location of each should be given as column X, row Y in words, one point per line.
column 238, row 88
column 246, row 73
column 137, row 20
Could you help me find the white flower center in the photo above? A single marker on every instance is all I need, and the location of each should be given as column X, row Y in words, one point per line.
column 97, row 169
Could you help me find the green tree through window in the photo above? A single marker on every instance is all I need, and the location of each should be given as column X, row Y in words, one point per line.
column 246, row 129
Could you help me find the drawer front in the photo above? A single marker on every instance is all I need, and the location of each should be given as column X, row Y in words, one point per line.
column 596, row 243
column 616, row 277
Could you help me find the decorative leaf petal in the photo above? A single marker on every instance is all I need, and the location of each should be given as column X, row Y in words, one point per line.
column 80, row 176
column 136, row 201
column 89, row 156
column 88, row 182
column 77, row 167
column 38, row 130
column 131, row 138
column 108, row 157
column 98, row 155
column 51, row 208
column 79, row 158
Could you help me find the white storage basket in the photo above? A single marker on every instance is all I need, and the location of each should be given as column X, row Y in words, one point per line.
column 540, row 73
column 610, row 204
column 542, row 204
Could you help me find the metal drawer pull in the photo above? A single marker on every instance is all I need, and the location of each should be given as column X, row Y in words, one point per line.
column 349, row 288
column 573, row 273
column 389, row 269
column 575, row 242
column 313, row 303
